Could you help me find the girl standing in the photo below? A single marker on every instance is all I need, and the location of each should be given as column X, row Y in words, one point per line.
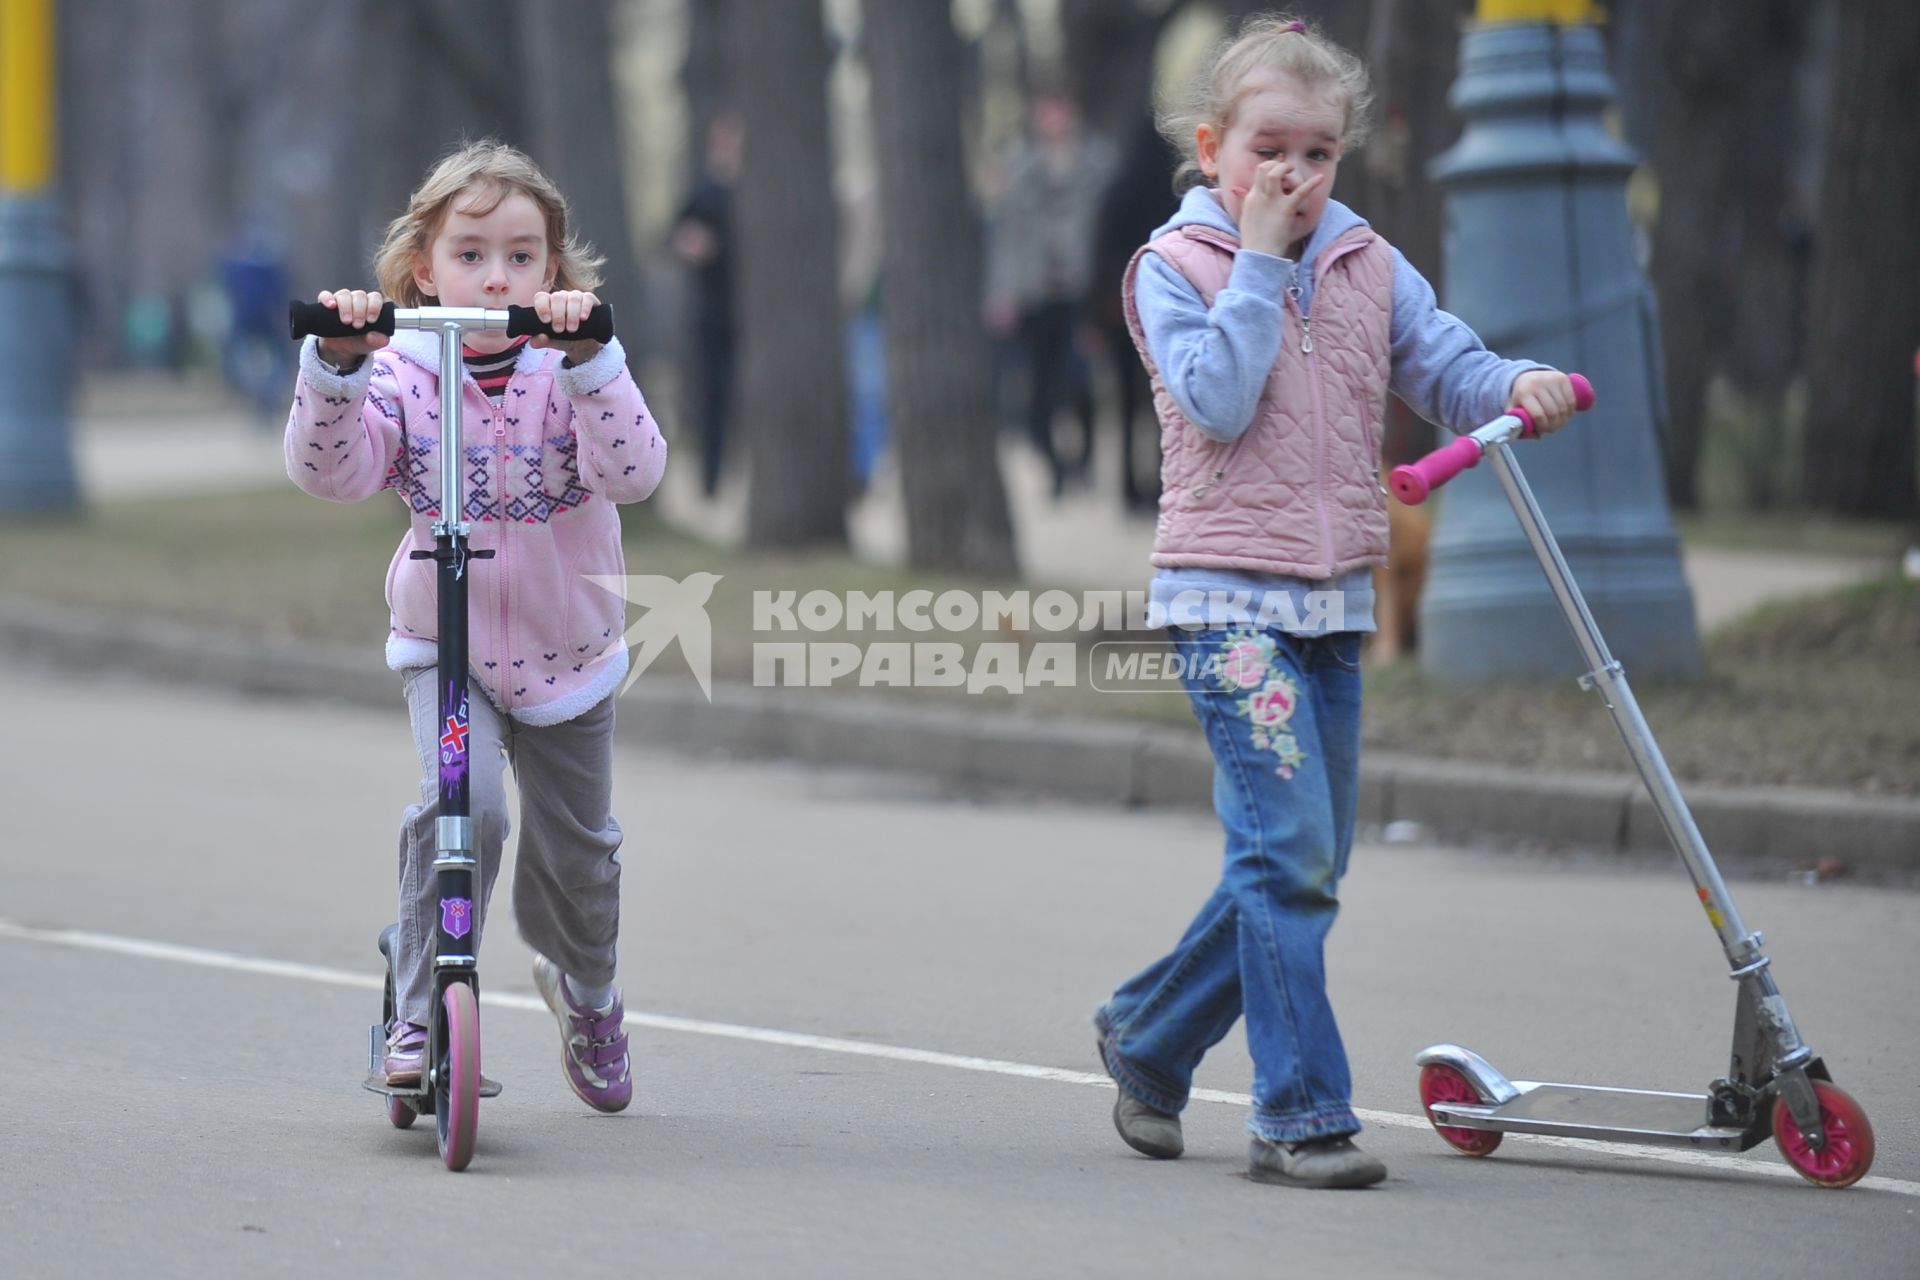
column 1273, row 322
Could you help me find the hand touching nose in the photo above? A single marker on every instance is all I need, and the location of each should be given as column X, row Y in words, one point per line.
column 1267, row 222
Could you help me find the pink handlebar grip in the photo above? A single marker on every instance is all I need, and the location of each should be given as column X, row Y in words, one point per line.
column 1413, row 482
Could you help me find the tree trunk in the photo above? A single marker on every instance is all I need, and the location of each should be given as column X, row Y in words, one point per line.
column 1864, row 318
column 1109, row 51
column 937, row 365
column 1727, row 262
column 706, row 80
column 1413, row 51
column 793, row 395
column 176, row 180
column 574, row 123
column 94, row 140
column 440, row 73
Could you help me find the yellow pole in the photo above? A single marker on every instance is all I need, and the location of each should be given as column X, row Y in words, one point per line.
column 26, row 96
column 1561, row 11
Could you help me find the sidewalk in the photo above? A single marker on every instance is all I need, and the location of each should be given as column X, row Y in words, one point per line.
column 144, row 446
column 148, row 436
column 141, row 437
column 1086, row 539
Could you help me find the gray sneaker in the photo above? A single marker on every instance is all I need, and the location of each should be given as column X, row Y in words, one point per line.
column 1321, row 1162
column 1146, row 1129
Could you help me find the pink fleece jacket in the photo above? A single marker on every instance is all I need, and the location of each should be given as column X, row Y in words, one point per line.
column 542, row 474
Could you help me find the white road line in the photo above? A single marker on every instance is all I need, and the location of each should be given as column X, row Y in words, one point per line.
column 830, row 1044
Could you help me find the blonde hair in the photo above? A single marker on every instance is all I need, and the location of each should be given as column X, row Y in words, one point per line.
column 479, row 175
column 1272, row 42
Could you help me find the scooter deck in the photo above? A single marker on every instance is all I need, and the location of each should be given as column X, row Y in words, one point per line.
column 376, row 1082
column 1589, row 1111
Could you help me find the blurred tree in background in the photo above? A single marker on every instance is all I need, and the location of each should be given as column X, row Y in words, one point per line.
column 1731, row 241
column 793, row 394
column 1779, row 136
column 1864, row 315
column 938, row 371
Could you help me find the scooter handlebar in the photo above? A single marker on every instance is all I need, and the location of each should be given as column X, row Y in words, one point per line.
column 314, row 319
column 597, row 327
column 1413, row 482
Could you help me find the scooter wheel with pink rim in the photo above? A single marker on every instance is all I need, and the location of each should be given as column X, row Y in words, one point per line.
column 1442, row 1083
column 1848, row 1151
column 457, row 1096
column 401, row 1113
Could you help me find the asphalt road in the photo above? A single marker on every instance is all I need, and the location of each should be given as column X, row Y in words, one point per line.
column 859, row 1011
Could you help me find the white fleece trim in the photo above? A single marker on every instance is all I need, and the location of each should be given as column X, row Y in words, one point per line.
column 323, row 378
column 417, row 346
column 411, row 653
column 585, row 379
column 581, row 700
column 406, row 652
column 422, row 347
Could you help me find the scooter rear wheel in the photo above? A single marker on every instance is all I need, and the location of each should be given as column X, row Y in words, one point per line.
column 401, row 1114
column 1442, row 1083
column 1848, row 1152
column 457, row 1090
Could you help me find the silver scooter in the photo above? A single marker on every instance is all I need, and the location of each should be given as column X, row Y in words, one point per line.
column 1774, row 1085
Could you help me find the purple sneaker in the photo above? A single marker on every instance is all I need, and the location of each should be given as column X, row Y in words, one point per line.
column 406, row 1045
column 593, row 1047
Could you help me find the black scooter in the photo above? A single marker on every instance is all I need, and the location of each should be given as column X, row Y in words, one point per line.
column 450, row 1085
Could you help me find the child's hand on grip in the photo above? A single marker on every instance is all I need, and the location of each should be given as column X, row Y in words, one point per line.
column 358, row 307
column 566, row 311
column 1547, row 396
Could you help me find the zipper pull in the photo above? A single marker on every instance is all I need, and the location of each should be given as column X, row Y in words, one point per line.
column 1306, row 322
column 1211, row 481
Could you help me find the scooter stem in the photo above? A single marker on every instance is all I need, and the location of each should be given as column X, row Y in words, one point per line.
column 1606, row 676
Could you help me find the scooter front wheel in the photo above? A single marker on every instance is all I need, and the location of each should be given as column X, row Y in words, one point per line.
column 457, row 1086
column 1847, row 1153
column 1442, row 1083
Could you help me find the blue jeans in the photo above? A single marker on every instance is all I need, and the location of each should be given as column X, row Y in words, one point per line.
column 1282, row 715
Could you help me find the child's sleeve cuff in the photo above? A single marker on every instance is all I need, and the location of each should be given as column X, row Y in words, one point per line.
column 585, row 379
column 329, row 381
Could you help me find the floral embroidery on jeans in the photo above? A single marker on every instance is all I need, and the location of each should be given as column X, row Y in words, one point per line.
column 1248, row 666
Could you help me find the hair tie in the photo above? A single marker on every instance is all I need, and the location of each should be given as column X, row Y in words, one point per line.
column 1294, row 26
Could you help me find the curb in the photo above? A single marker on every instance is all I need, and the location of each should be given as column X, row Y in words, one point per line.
column 1083, row 761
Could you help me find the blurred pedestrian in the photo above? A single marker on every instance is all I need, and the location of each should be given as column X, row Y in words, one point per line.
column 702, row 238
column 1039, row 263
column 254, row 355
column 862, row 269
column 1137, row 199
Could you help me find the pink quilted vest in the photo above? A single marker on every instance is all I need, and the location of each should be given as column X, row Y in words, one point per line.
column 1298, row 493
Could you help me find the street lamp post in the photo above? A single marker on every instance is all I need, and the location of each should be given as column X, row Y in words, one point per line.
column 1539, row 260
column 36, row 275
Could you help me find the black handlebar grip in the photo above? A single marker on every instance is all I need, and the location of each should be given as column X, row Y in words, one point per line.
column 526, row 322
column 311, row 319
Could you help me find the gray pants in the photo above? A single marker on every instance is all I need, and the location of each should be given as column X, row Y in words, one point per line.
column 566, row 884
